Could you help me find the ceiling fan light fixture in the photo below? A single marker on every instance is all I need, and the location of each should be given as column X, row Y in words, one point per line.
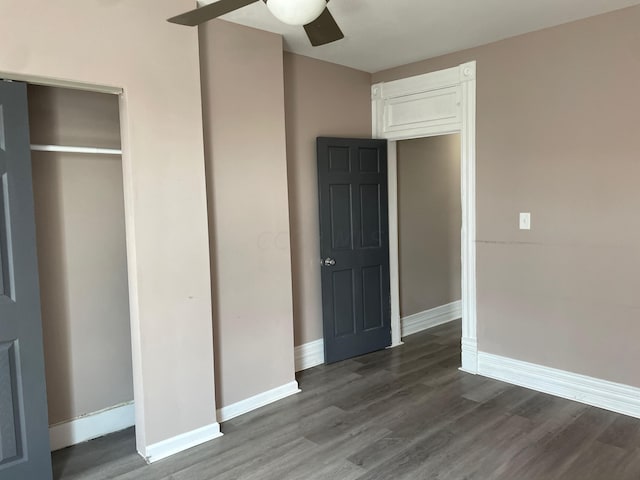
column 296, row 12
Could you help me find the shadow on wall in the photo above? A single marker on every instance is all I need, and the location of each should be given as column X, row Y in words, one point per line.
column 54, row 295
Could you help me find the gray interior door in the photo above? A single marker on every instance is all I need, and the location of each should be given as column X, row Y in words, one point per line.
column 24, row 435
column 354, row 246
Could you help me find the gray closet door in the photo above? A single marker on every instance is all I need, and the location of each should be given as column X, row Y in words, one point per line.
column 24, row 436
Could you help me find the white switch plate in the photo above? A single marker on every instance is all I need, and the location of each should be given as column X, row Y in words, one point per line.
column 525, row 221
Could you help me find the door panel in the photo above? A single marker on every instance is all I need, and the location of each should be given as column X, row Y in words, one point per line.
column 370, row 233
column 369, row 160
column 372, row 297
column 339, row 160
column 24, row 433
column 10, row 431
column 342, row 281
column 6, row 291
column 352, row 179
column 341, row 207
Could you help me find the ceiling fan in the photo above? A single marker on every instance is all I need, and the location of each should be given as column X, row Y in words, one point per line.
column 319, row 24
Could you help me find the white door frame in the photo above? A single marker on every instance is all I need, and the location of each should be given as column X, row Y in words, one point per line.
column 437, row 103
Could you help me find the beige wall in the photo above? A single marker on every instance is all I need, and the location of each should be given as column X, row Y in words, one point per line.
column 79, row 206
column 557, row 114
column 243, row 98
column 429, row 222
column 321, row 99
column 130, row 45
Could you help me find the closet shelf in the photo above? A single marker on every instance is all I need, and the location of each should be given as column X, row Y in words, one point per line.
column 68, row 149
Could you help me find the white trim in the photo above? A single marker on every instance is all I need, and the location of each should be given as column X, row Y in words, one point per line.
column 580, row 388
column 58, row 82
column 180, row 443
column 309, row 355
column 93, row 425
column 257, row 401
column 68, row 149
column 394, row 248
column 468, row 233
column 469, row 353
column 433, row 317
column 436, row 103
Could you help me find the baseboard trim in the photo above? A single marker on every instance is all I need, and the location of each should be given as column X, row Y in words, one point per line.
column 431, row 318
column 245, row 406
column 180, row 443
column 93, row 425
column 612, row 396
column 309, row 355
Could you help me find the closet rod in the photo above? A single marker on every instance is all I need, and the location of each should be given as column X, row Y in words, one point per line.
column 67, row 149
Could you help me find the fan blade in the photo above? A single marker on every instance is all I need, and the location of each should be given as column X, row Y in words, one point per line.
column 323, row 29
column 208, row 12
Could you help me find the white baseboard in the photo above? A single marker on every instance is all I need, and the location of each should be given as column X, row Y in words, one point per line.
column 309, row 355
column 431, row 318
column 591, row 391
column 257, row 401
column 93, row 425
column 180, row 443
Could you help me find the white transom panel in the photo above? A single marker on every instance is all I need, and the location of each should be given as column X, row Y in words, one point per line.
column 434, row 108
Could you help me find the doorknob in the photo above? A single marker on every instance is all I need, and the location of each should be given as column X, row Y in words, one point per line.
column 328, row 262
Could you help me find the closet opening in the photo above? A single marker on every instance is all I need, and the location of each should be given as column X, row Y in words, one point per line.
column 82, row 261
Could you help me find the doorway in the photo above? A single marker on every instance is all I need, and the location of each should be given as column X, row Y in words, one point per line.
column 82, row 262
column 436, row 103
column 429, row 225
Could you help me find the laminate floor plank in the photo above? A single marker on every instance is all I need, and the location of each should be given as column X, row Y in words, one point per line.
column 462, row 437
column 624, row 432
column 509, row 448
column 344, row 470
column 103, row 458
column 555, row 453
column 327, row 455
column 481, row 459
column 598, row 460
column 429, row 418
column 405, row 413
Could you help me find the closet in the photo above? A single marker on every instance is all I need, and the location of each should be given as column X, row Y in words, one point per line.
column 80, row 230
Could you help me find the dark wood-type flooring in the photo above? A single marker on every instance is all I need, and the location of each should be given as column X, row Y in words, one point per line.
column 405, row 413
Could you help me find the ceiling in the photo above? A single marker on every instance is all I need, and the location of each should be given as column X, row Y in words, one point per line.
column 381, row 34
